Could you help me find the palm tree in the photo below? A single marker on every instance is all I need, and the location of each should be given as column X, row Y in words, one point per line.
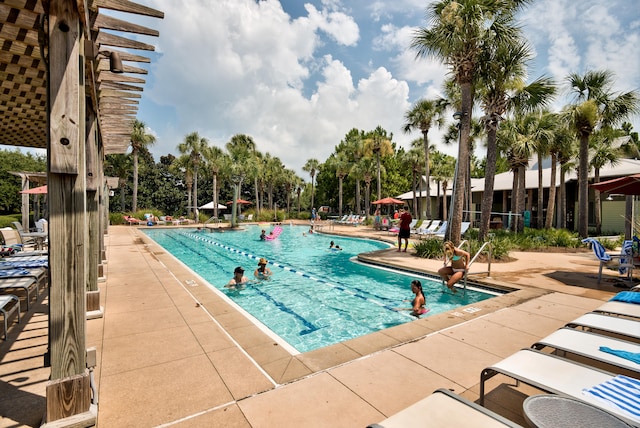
column 311, row 167
column 602, row 153
column 423, row 115
column 503, row 70
column 377, row 143
column 139, row 140
column 340, row 163
column 354, row 147
column 194, row 146
column 459, row 31
column 596, row 106
column 215, row 159
column 415, row 158
column 444, row 167
column 183, row 165
column 241, row 150
column 561, row 143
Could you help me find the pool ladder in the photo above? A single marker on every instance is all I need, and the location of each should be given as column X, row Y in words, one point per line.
column 486, row 247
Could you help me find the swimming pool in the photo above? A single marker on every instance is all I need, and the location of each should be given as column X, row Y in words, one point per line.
column 316, row 296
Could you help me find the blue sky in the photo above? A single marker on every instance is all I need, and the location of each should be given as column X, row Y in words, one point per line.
column 298, row 75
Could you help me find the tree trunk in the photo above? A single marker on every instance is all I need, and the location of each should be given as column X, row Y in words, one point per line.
column 489, row 181
column 521, row 196
column 583, row 190
column 540, row 216
column 340, row 179
column 427, row 173
column 562, row 223
column 597, row 207
column 215, row 195
column 459, row 188
column 552, row 193
column 134, row 202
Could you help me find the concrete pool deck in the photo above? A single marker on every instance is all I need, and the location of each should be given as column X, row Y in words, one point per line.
column 173, row 353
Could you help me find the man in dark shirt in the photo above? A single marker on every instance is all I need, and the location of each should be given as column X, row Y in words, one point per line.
column 405, row 229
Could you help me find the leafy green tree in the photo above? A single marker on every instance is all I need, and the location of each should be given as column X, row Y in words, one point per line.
column 423, row 115
column 241, row 149
column 311, row 166
column 378, row 144
column 596, row 106
column 194, row 146
column 459, row 31
column 215, row 159
column 140, row 139
column 10, row 185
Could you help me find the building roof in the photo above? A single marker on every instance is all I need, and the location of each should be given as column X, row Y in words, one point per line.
column 504, row 181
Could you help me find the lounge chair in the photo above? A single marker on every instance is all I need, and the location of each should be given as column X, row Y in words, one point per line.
column 39, row 274
column 606, row 324
column 9, row 304
column 132, row 220
column 553, row 374
column 589, row 345
column 28, row 285
column 631, row 310
column 605, row 258
column 445, row 409
column 442, row 230
column 464, row 226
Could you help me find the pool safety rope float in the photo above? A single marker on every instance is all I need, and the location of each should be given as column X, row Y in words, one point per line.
column 274, row 233
column 296, row 271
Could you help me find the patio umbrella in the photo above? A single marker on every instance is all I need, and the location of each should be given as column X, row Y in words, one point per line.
column 36, row 190
column 209, row 206
column 629, row 185
column 388, row 201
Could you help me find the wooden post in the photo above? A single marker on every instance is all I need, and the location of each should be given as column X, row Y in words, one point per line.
column 93, row 214
column 68, row 392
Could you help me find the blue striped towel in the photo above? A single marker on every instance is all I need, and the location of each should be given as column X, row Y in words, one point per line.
column 626, row 256
column 622, row 392
column 26, row 264
column 598, row 249
column 13, row 272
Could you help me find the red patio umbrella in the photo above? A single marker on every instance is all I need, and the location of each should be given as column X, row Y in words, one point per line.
column 36, row 190
column 240, row 201
column 629, row 185
column 388, row 201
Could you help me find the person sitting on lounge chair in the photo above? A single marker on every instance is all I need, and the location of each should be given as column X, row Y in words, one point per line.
column 456, row 263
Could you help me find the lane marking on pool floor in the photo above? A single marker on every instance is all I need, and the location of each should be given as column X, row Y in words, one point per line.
column 296, row 271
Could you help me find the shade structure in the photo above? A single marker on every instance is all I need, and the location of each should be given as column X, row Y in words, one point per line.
column 388, row 201
column 240, row 201
column 36, row 190
column 629, row 185
column 209, row 206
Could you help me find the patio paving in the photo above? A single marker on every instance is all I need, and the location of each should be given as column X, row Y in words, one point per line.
column 171, row 352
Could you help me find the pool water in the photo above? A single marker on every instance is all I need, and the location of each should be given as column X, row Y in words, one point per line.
column 316, row 296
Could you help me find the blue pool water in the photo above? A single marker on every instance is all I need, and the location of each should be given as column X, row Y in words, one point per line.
column 316, row 297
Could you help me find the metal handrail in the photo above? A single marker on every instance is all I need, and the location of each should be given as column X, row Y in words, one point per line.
column 466, row 244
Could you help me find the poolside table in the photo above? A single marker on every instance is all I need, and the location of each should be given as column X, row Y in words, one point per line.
column 553, row 411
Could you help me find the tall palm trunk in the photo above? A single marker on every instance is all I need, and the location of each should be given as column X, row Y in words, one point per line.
column 427, row 173
column 540, row 216
column 597, row 202
column 552, row 193
column 195, row 194
column 134, row 201
column 379, row 183
column 215, row 194
column 583, row 182
column 459, row 189
column 562, row 208
column 340, row 179
column 489, row 180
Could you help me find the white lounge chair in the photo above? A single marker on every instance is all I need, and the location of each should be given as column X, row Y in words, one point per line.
column 587, row 344
column 605, row 324
column 605, row 258
column 620, row 308
column 553, row 374
column 9, row 304
column 444, row 409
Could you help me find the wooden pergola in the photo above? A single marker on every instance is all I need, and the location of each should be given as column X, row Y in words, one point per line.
column 68, row 86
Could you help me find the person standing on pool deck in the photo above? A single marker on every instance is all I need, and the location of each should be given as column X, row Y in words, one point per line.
column 238, row 280
column 262, row 272
column 459, row 263
column 405, row 229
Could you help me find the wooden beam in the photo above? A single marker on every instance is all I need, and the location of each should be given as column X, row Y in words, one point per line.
column 128, row 6
column 111, row 23
column 107, row 39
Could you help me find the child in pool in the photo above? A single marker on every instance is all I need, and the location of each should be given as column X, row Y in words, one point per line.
column 418, row 303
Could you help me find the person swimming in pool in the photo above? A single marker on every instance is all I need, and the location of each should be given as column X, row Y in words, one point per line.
column 418, row 303
column 456, row 263
column 238, row 281
column 262, row 272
